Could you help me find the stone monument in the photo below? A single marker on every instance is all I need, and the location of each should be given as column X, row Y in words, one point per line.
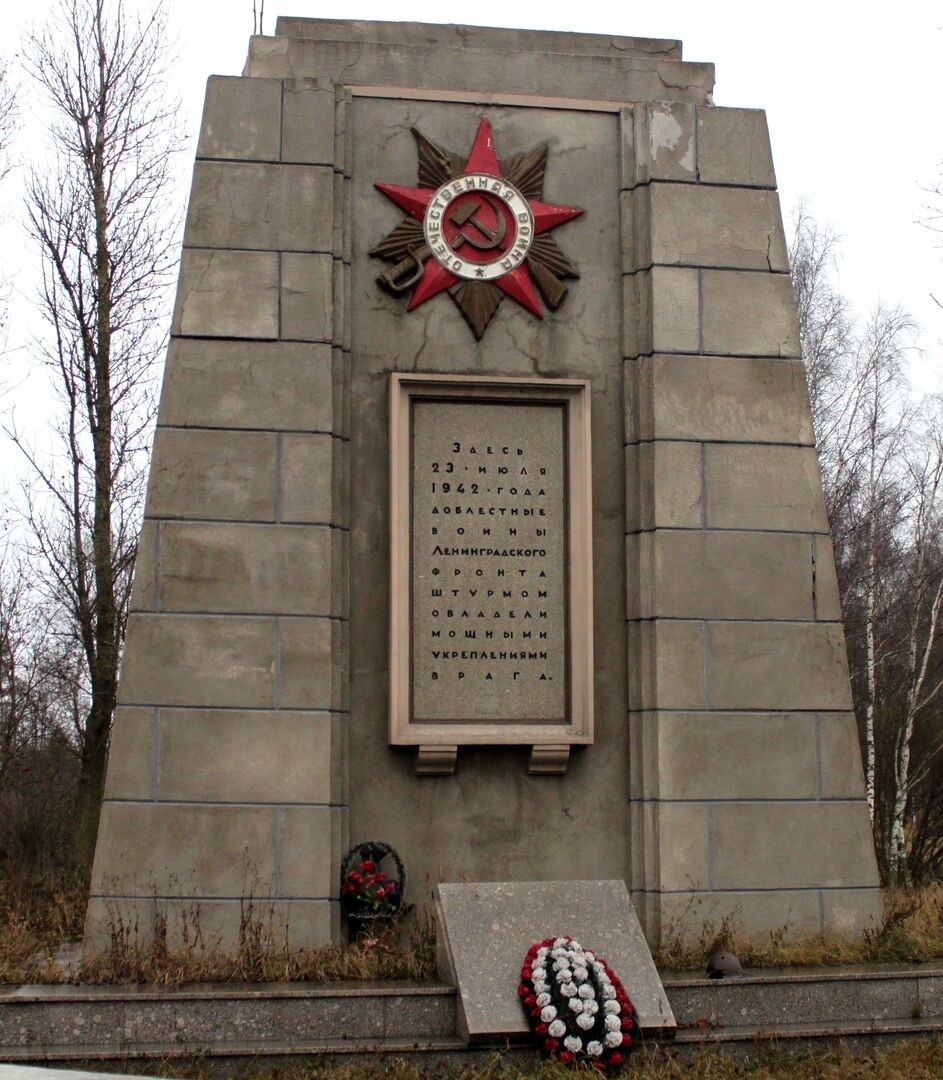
column 484, row 513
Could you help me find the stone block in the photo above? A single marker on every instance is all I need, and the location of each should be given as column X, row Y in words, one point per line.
column 312, row 671
column 130, row 757
column 724, row 399
column 241, row 119
column 746, row 313
column 840, row 756
column 315, row 479
column 310, row 851
column 144, row 586
column 697, row 225
column 228, row 294
column 226, row 475
column 827, row 597
column 683, row 846
column 664, row 486
column 246, row 569
column 241, row 384
column 307, row 291
column 635, row 218
column 485, row 929
column 662, row 311
column 260, row 207
column 658, row 143
column 243, row 756
column 752, row 914
column 199, row 660
column 194, row 851
column 697, row 574
column 764, row 487
column 733, row 147
column 715, row 756
column 848, row 912
column 308, row 122
column 666, row 665
column 799, row 845
column 778, row 666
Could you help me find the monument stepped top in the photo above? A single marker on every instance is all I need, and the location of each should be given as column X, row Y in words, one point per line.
column 493, row 62
column 476, row 37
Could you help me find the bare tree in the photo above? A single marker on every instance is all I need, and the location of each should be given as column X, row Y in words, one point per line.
column 98, row 213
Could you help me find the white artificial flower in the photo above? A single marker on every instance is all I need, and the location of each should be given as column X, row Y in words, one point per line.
column 543, row 999
column 556, row 1029
column 540, row 987
column 560, row 942
column 594, row 1048
column 590, row 956
column 590, row 1006
column 613, row 1038
column 584, row 1021
column 538, row 973
column 611, row 1007
column 587, row 991
column 608, row 991
column 568, row 989
column 580, row 973
column 613, row 1023
column 548, row 1013
column 564, row 975
column 573, row 1043
column 576, row 1004
column 559, row 965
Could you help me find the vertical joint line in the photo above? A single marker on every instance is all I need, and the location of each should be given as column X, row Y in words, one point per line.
column 697, row 145
column 705, row 627
column 281, row 120
column 815, row 583
column 818, row 755
column 278, row 295
column 279, row 448
column 278, row 664
column 703, row 485
column 277, row 860
column 710, row 847
column 158, row 529
column 700, row 311
column 155, row 755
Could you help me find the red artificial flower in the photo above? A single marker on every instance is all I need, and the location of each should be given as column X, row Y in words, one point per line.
column 368, row 864
column 541, row 1029
column 381, row 894
column 566, row 1055
column 551, row 1045
column 354, row 876
column 348, row 888
column 370, row 879
column 627, row 1023
column 535, row 1012
column 615, row 1058
column 523, row 991
column 600, row 1065
column 530, row 1001
column 626, row 1040
column 381, row 877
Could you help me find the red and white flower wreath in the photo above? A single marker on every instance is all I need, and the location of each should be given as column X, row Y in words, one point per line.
column 576, row 1005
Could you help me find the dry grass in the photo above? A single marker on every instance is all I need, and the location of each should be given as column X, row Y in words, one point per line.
column 34, row 921
column 913, row 1060
column 912, row 932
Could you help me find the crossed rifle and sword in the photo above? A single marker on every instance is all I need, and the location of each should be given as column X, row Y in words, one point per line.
column 408, row 271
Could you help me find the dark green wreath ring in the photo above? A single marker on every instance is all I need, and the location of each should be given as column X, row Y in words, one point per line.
column 373, row 881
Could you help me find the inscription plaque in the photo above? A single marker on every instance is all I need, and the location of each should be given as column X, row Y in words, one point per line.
column 491, row 598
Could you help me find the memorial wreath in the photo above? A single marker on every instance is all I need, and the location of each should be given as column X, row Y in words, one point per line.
column 576, row 1005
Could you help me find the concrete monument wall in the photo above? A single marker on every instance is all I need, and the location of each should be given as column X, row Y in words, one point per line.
column 251, row 743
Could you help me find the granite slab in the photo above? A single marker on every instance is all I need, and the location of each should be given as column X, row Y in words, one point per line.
column 485, row 929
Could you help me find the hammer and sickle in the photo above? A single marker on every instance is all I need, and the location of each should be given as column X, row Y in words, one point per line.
column 492, row 239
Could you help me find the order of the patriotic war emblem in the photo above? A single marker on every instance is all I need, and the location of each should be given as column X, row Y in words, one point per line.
column 478, row 230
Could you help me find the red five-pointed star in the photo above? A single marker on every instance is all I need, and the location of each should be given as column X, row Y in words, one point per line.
column 517, row 282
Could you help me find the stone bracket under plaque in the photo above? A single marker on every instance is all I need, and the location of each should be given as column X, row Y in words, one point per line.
column 490, row 567
column 549, row 760
column 436, row 760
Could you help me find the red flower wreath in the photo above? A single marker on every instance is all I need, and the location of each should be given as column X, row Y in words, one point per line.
column 576, row 1005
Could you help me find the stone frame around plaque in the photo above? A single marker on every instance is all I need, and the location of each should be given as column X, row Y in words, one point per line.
column 438, row 738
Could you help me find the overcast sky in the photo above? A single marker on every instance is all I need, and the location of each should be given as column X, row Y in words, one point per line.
column 852, row 93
